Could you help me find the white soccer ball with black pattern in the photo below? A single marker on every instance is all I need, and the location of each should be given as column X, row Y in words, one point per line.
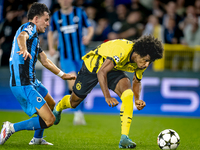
column 168, row 139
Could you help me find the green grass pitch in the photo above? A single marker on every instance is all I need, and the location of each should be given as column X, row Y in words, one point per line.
column 102, row 132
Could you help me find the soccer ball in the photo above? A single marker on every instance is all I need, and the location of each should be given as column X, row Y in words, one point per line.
column 168, row 139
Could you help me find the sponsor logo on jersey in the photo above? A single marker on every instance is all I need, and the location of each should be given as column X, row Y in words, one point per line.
column 69, row 28
column 29, row 29
column 39, row 99
column 60, row 21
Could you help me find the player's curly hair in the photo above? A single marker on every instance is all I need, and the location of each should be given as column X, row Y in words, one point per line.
column 37, row 9
column 148, row 45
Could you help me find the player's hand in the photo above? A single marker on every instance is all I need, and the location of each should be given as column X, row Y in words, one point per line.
column 112, row 102
column 68, row 77
column 52, row 52
column 86, row 40
column 25, row 54
column 140, row 104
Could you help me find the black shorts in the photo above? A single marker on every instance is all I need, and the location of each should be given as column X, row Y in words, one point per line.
column 86, row 81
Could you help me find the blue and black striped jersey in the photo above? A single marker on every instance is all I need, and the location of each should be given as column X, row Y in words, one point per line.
column 23, row 71
column 69, row 29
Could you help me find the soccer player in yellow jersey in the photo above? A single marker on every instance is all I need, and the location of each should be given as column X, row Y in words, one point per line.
column 107, row 65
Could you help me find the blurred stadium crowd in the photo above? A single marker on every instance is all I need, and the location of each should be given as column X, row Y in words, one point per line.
column 174, row 22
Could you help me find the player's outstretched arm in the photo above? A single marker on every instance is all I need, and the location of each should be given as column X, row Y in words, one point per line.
column 47, row 63
column 102, row 78
column 51, row 43
column 140, row 104
column 21, row 40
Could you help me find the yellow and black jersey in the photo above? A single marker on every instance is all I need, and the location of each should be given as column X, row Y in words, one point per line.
column 119, row 51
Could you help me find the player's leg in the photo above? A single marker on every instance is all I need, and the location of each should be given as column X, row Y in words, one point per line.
column 68, row 101
column 31, row 103
column 44, row 120
column 121, row 85
column 123, row 89
column 38, row 135
column 84, row 83
column 79, row 118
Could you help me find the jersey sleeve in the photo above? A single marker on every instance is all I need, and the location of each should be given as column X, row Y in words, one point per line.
column 52, row 26
column 86, row 22
column 40, row 50
column 29, row 28
column 116, row 50
column 116, row 55
column 139, row 74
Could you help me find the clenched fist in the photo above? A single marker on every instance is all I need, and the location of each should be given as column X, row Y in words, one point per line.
column 140, row 104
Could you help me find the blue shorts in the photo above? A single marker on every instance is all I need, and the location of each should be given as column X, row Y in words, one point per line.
column 68, row 65
column 30, row 97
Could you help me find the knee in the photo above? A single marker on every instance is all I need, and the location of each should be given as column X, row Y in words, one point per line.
column 127, row 93
column 127, row 96
column 50, row 121
column 74, row 104
column 75, row 100
column 52, row 105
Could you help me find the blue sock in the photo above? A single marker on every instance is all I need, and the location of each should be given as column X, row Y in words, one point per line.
column 80, row 107
column 39, row 133
column 30, row 124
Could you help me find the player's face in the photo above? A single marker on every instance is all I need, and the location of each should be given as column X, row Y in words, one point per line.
column 42, row 22
column 65, row 4
column 143, row 62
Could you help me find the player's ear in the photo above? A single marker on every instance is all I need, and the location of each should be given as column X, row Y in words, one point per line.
column 35, row 19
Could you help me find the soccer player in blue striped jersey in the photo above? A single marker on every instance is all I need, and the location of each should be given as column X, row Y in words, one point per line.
column 28, row 90
column 69, row 22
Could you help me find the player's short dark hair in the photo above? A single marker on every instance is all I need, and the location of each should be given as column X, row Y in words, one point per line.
column 37, row 9
column 148, row 45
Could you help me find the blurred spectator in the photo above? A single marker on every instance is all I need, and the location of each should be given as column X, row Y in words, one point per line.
column 7, row 32
column 91, row 13
column 153, row 27
column 147, row 4
column 102, row 30
column 158, row 9
column 180, row 7
column 172, row 34
column 171, row 13
column 192, row 38
column 188, row 19
column 1, row 10
column 122, row 13
column 48, row 3
column 7, row 5
column 197, row 7
column 137, row 6
column 192, row 32
column 109, row 12
column 132, row 28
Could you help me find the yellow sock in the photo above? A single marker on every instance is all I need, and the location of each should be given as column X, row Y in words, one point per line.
column 126, row 112
column 64, row 103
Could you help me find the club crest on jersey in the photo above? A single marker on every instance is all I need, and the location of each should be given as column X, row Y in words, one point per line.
column 116, row 58
column 78, row 86
column 60, row 21
column 76, row 19
column 29, row 29
column 39, row 99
